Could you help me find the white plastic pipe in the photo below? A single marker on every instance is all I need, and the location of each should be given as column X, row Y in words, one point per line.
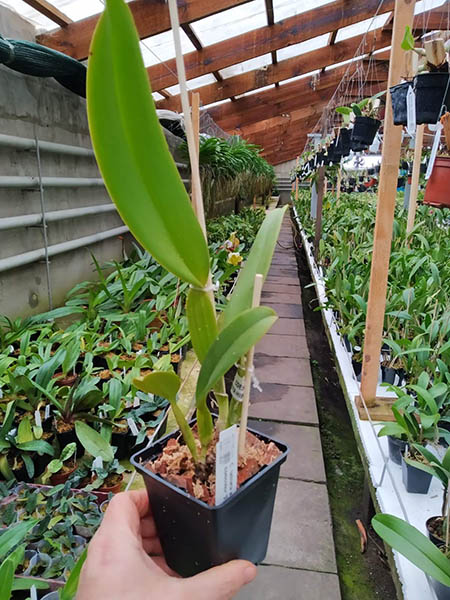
column 53, row 216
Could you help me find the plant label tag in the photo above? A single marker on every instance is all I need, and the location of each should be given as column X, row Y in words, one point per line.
column 411, row 111
column 434, row 149
column 47, row 412
column 137, row 402
column 37, row 418
column 128, row 404
column 375, row 147
column 133, row 428
column 1, row 393
column 237, row 389
column 97, row 463
column 226, row 464
column 10, row 349
column 33, row 593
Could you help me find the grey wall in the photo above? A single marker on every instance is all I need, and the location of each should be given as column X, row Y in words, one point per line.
column 284, row 169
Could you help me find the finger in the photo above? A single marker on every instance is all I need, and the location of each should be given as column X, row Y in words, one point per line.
column 148, row 528
column 220, row 583
column 152, row 546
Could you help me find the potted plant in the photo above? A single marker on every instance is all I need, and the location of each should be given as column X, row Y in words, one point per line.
column 431, row 84
column 436, row 193
column 399, row 94
column 366, row 123
column 414, row 546
column 118, row 93
column 60, row 469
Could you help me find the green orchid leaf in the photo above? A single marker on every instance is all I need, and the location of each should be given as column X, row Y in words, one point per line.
column 14, row 536
column 408, row 41
column 202, row 322
column 68, row 592
column 24, row 431
column 414, row 546
column 6, row 579
column 39, row 446
column 132, row 152
column 258, row 261
column 93, row 442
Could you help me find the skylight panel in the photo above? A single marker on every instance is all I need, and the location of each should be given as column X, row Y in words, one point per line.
column 423, row 5
column 29, row 14
column 304, row 76
column 193, row 83
column 297, row 49
column 257, row 91
column 282, row 9
column 362, row 27
column 218, row 103
column 231, row 22
column 247, row 65
column 157, row 96
column 160, row 48
column 79, row 9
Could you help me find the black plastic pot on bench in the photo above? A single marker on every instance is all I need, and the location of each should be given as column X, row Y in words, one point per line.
column 415, row 480
column 432, row 92
column 399, row 108
column 195, row 536
column 442, row 591
column 396, row 449
column 363, row 133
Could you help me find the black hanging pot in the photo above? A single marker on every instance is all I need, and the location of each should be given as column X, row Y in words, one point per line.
column 432, row 93
column 399, row 107
column 363, row 132
column 195, row 536
column 343, row 141
column 320, row 159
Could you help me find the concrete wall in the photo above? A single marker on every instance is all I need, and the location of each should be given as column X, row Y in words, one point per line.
column 284, row 169
column 29, row 107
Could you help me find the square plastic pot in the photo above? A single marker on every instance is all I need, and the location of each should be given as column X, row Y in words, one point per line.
column 442, row 591
column 415, row 480
column 195, row 536
column 396, row 449
column 363, row 133
column 432, row 94
column 399, row 108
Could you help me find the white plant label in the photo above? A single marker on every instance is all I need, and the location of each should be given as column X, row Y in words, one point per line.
column 33, row 593
column 133, row 428
column 226, row 464
column 136, row 402
column 434, row 149
column 128, row 404
column 375, row 144
column 47, row 412
column 37, row 418
column 238, row 387
column 10, row 349
column 411, row 111
column 97, row 463
column 1, row 393
column 255, row 383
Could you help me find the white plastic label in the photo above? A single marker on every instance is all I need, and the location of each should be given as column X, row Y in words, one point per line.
column 37, row 418
column 226, row 464
column 136, row 402
column 10, row 349
column 128, row 404
column 375, row 144
column 133, row 428
column 434, row 149
column 47, row 412
column 1, row 393
column 33, row 593
column 255, row 383
column 97, row 463
column 411, row 111
column 237, row 389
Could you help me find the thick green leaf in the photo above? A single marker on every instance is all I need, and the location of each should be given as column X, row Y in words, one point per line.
column 69, row 590
column 14, row 535
column 417, row 548
column 40, row 446
column 24, row 431
column 202, row 322
column 93, row 442
column 6, row 579
column 408, row 39
column 132, row 152
column 258, row 261
column 24, row 583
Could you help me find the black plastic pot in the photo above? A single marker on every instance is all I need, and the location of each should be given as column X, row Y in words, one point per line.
column 432, row 93
column 343, row 142
column 423, row 168
column 195, row 536
column 401, row 182
column 396, row 449
column 388, row 375
column 442, row 591
column 399, row 108
column 122, row 443
column 415, row 480
column 436, row 541
column 67, row 437
column 363, row 132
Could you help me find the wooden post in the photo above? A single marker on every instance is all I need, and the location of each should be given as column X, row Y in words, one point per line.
column 415, row 178
column 387, row 193
column 320, row 193
column 296, row 181
column 257, row 289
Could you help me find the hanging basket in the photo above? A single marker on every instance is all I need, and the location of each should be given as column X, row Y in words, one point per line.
column 363, row 133
column 437, row 192
column 399, row 94
column 432, row 93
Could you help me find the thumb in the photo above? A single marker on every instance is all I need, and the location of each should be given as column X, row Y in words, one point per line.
column 220, row 583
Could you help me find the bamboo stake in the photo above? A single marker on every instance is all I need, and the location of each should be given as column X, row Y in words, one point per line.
column 415, row 178
column 387, row 193
column 196, row 119
column 257, row 289
column 320, row 193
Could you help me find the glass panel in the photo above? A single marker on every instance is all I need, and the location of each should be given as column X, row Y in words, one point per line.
column 362, row 27
column 288, row 8
column 160, row 48
column 231, row 22
column 299, row 77
column 157, row 96
column 302, row 47
column 193, row 83
column 247, row 65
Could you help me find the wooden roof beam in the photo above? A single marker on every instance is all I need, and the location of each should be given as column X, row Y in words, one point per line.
column 291, row 67
column 50, row 11
column 264, row 40
column 151, row 17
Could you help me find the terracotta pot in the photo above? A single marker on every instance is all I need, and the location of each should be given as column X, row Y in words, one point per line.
column 437, row 192
column 61, row 477
column 115, row 489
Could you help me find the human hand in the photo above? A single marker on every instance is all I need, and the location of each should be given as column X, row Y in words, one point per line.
column 125, row 561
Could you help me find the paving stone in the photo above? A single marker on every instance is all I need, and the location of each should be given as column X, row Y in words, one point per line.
column 290, row 371
column 282, row 288
column 290, row 311
column 288, row 327
column 293, row 346
column 279, row 297
column 287, row 403
column 283, row 279
column 305, row 459
column 301, row 535
column 281, row 583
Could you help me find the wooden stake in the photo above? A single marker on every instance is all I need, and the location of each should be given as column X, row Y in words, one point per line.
column 257, row 289
column 320, row 193
column 387, row 194
column 296, row 181
column 415, row 178
column 338, row 185
column 196, row 119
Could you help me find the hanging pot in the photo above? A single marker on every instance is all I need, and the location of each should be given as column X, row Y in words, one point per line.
column 363, row 133
column 343, row 141
column 437, row 192
column 432, row 93
column 195, row 536
column 437, row 541
column 399, row 108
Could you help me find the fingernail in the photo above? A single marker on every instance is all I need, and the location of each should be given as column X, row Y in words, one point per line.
column 249, row 574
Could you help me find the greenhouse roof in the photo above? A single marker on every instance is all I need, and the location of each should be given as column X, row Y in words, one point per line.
column 264, row 68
